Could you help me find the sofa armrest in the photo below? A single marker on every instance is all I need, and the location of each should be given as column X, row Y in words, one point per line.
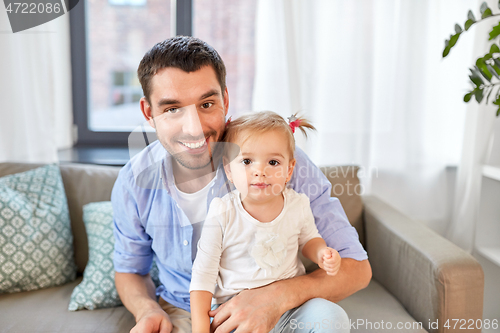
column 433, row 278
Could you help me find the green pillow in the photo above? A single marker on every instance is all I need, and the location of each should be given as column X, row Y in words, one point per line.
column 36, row 244
column 97, row 289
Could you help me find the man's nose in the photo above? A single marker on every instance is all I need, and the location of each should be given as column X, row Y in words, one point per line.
column 191, row 123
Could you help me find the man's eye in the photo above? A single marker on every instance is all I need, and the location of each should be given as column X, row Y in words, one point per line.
column 274, row 162
column 172, row 110
column 207, row 105
column 246, row 161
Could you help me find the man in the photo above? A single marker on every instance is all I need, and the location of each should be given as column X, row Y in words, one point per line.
column 161, row 197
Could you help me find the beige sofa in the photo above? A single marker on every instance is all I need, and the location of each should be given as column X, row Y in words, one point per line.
column 418, row 276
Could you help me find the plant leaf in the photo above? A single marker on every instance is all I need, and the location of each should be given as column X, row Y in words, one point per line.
column 498, row 112
column 481, row 67
column 448, row 44
column 494, row 48
column 488, row 97
column 497, row 102
column 493, row 71
column 487, row 13
column 468, row 24
column 495, row 31
column 486, row 74
column 470, row 16
column 453, row 40
column 496, row 68
column 479, row 95
column 475, row 77
column 446, row 51
column 497, row 61
column 468, row 96
column 483, row 7
column 458, row 29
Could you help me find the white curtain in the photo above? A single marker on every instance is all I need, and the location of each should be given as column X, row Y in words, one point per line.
column 370, row 76
column 35, row 91
column 480, row 121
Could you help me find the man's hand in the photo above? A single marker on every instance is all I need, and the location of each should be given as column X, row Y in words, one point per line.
column 153, row 321
column 329, row 260
column 251, row 310
column 137, row 293
column 259, row 310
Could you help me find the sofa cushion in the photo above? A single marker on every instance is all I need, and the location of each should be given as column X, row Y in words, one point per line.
column 47, row 312
column 83, row 183
column 374, row 309
column 348, row 189
column 97, row 290
column 44, row 311
column 36, row 244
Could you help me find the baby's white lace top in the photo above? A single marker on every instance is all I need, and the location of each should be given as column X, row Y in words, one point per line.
column 237, row 252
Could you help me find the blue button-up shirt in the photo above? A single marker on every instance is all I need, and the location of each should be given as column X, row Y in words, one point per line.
column 149, row 223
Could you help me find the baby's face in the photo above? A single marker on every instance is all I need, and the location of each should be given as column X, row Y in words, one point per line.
column 262, row 167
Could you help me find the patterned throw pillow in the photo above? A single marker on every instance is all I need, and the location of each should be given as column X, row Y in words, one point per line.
column 97, row 289
column 36, row 244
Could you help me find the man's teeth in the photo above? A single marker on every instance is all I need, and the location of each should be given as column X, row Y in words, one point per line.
column 194, row 145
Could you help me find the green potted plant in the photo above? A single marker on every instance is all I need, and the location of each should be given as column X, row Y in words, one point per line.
column 485, row 74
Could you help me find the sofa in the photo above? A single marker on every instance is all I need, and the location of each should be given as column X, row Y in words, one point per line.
column 421, row 281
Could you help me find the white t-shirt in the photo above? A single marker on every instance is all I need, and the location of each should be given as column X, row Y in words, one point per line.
column 190, row 205
column 238, row 252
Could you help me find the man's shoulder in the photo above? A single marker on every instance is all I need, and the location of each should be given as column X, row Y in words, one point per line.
column 150, row 155
column 305, row 171
column 143, row 169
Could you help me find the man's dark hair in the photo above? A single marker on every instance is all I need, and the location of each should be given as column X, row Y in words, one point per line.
column 186, row 53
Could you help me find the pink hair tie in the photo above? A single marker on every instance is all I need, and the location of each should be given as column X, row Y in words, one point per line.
column 294, row 122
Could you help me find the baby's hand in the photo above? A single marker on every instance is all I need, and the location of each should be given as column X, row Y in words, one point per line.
column 329, row 260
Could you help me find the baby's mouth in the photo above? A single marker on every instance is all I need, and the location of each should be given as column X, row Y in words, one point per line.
column 260, row 185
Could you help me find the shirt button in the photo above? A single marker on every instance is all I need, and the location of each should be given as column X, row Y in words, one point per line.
column 185, row 242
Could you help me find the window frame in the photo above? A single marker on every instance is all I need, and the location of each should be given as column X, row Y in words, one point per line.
column 80, row 84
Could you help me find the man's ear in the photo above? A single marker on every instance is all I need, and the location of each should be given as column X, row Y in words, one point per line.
column 226, row 101
column 147, row 112
column 291, row 167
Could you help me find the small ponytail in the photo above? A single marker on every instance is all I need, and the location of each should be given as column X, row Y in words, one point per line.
column 301, row 123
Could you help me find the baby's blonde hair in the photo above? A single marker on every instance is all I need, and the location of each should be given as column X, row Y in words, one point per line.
column 265, row 121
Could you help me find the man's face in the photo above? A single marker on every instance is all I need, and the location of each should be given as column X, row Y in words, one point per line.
column 188, row 112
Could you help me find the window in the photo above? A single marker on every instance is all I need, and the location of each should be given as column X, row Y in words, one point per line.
column 109, row 38
column 229, row 27
column 127, row 2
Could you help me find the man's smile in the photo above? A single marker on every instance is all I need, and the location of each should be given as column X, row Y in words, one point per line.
column 195, row 144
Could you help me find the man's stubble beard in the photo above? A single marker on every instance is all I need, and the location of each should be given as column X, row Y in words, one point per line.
column 186, row 160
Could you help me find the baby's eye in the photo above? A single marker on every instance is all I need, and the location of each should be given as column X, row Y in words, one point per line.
column 246, row 161
column 207, row 105
column 274, row 162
